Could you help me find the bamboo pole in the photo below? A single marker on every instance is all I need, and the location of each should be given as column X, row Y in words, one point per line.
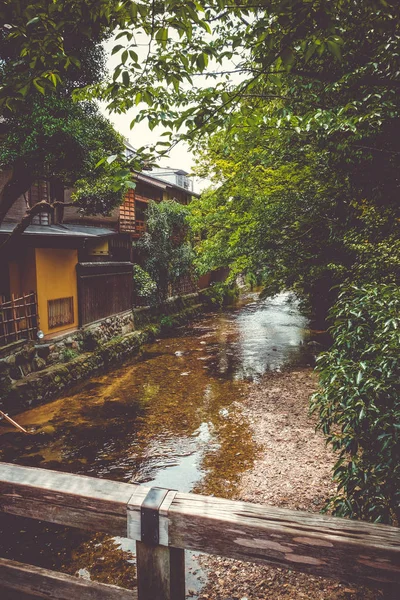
column 3, row 415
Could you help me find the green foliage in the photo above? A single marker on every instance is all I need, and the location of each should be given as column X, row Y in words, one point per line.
column 342, row 53
column 359, row 402
column 58, row 139
column 220, row 294
column 165, row 251
column 69, row 354
column 45, row 134
column 145, row 287
column 166, row 322
column 45, row 45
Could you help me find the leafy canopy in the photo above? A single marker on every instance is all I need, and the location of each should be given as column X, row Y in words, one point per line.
column 337, row 48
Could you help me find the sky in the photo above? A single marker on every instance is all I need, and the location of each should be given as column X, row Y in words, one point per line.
column 180, row 156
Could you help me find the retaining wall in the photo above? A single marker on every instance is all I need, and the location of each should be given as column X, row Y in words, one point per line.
column 32, row 373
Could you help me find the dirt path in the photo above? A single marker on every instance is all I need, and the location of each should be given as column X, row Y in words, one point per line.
column 293, row 471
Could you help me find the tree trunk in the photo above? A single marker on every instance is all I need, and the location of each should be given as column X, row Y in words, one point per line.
column 20, row 182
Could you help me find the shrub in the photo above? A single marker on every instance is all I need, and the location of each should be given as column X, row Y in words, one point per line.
column 165, row 249
column 220, row 294
column 359, row 402
column 145, row 287
column 69, row 354
column 166, row 322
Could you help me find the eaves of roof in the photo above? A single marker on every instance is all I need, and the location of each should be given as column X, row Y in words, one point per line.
column 70, row 231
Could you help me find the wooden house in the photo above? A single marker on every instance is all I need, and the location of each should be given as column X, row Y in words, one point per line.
column 70, row 269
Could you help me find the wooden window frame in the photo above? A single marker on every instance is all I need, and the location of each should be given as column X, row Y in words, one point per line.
column 56, row 320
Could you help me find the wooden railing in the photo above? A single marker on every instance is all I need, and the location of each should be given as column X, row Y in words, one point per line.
column 18, row 318
column 164, row 523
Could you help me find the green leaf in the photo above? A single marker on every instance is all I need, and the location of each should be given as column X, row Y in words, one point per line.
column 288, row 58
column 334, row 48
column 33, row 21
column 38, row 85
column 125, row 78
column 117, row 49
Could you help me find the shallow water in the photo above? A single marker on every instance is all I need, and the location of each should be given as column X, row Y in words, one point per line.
column 171, row 418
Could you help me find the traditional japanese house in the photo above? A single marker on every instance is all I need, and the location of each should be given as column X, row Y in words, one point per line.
column 68, row 269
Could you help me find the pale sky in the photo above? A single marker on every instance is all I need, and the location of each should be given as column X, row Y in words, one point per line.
column 141, row 135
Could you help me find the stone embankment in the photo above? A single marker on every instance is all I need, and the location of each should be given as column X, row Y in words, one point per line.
column 32, row 373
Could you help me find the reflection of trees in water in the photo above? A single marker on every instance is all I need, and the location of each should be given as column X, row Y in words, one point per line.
column 84, row 442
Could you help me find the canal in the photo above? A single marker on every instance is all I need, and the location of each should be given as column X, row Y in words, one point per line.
column 171, row 418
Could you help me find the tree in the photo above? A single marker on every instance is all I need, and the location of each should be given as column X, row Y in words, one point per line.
column 165, row 251
column 45, row 135
column 294, row 207
column 315, row 208
column 334, row 47
column 44, row 44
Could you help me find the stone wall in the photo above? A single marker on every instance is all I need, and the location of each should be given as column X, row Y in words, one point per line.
column 32, row 373
column 20, row 359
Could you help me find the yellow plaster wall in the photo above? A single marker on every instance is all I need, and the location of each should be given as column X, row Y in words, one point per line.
column 56, row 278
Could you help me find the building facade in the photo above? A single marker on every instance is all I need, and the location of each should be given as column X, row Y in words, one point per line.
column 69, row 269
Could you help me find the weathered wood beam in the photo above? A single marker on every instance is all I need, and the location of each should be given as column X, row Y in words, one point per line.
column 35, row 581
column 73, row 500
column 313, row 543
column 160, row 572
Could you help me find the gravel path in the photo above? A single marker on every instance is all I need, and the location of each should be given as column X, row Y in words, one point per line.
column 293, row 470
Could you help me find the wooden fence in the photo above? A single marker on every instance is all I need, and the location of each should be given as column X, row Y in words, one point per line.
column 18, row 318
column 104, row 289
column 184, row 285
column 165, row 522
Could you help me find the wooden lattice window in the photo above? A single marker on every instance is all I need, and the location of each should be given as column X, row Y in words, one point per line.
column 61, row 312
column 38, row 192
column 127, row 213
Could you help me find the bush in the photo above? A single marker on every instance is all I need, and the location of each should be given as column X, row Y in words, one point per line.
column 220, row 294
column 359, row 402
column 69, row 354
column 166, row 322
column 165, row 249
column 145, row 287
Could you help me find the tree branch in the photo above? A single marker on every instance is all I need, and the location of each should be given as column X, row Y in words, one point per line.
column 19, row 183
column 26, row 220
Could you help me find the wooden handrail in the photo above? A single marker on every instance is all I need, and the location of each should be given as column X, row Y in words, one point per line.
column 42, row 583
column 322, row 545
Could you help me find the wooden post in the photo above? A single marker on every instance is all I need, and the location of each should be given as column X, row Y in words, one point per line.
column 160, row 568
column 160, row 572
column 14, row 316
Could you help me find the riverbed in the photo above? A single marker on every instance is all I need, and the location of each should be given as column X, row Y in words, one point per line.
column 172, row 417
